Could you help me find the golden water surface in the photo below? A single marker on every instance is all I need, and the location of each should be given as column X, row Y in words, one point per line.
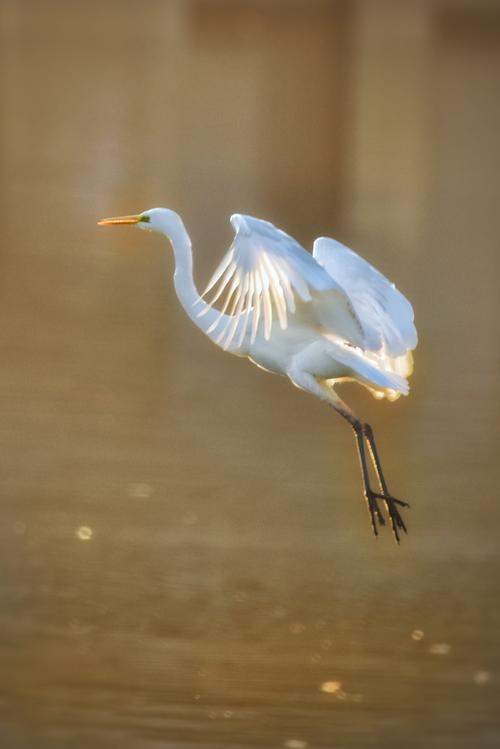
column 185, row 557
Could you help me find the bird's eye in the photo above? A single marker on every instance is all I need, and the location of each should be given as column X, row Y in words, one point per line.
column 146, row 219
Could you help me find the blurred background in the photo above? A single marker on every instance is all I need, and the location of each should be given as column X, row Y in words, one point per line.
column 185, row 555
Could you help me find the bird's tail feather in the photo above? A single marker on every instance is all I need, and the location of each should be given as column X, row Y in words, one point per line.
column 373, row 374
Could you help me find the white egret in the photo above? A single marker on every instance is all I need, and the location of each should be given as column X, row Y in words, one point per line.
column 318, row 319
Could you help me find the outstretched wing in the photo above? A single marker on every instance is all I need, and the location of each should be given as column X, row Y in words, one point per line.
column 386, row 315
column 263, row 276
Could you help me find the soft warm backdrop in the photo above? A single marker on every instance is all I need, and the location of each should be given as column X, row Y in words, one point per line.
column 185, row 557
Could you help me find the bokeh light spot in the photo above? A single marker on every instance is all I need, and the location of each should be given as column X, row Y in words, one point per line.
column 84, row 533
column 331, row 687
column 440, row 648
column 481, row 677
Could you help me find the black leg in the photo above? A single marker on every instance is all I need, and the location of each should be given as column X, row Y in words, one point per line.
column 370, row 496
column 390, row 501
column 368, row 432
column 361, row 432
column 364, row 432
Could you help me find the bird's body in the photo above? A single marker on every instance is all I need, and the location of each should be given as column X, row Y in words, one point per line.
column 305, row 347
column 317, row 319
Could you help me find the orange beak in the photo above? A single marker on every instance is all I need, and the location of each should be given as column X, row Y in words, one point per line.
column 119, row 220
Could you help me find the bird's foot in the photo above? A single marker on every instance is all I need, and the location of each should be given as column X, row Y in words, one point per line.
column 391, row 505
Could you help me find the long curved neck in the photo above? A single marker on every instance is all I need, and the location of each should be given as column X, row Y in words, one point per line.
column 202, row 314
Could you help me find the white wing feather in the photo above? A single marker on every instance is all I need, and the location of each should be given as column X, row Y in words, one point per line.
column 263, row 276
column 385, row 314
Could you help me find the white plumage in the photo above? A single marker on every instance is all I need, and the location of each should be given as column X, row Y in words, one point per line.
column 387, row 316
column 318, row 319
column 266, row 275
column 263, row 276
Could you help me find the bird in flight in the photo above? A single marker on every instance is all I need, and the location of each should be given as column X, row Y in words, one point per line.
column 318, row 319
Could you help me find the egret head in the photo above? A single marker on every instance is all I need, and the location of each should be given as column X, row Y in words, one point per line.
column 155, row 219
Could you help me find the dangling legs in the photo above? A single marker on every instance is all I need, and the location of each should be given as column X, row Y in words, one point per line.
column 370, row 497
column 396, row 519
column 308, row 382
column 361, row 431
